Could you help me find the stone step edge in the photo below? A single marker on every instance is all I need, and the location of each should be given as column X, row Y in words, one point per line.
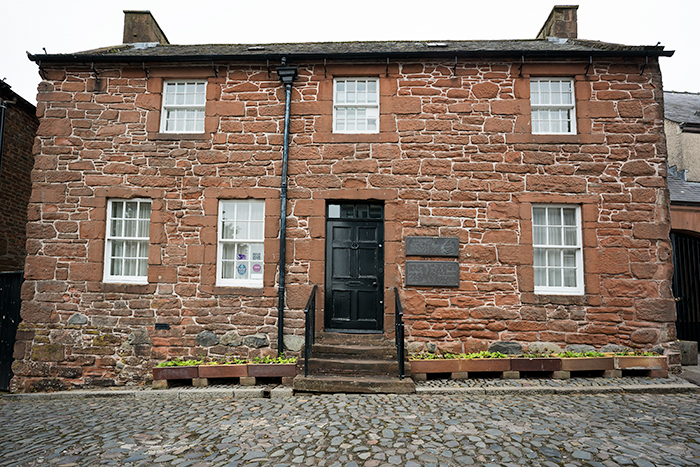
column 288, row 392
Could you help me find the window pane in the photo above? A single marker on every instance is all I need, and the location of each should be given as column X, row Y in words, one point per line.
column 540, row 237
column 256, row 231
column 554, row 276
column 541, row 277
column 143, row 229
column 553, row 258
column 554, row 235
column 570, row 237
column 569, row 277
column 117, row 227
column 228, row 251
column 540, row 257
column 554, row 216
column 569, row 258
column 256, row 211
column 242, row 211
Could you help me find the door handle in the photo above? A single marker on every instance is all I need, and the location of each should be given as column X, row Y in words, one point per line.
column 374, row 284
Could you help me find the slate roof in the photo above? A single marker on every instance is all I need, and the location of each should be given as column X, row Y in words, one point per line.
column 682, row 192
column 386, row 49
column 682, row 107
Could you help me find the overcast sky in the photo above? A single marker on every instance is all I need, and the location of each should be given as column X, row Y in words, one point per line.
column 76, row 25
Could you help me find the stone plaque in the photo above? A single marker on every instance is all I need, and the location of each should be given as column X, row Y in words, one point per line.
column 432, row 273
column 432, row 246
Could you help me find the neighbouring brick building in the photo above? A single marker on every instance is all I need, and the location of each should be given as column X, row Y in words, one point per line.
column 16, row 162
column 513, row 191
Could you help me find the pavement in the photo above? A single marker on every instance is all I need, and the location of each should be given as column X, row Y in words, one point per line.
column 530, row 422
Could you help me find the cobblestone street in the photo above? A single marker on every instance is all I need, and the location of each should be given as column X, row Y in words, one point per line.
column 354, row 430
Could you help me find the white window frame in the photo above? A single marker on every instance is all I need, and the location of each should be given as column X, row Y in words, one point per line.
column 229, row 216
column 195, row 107
column 111, row 239
column 550, row 247
column 342, row 107
column 552, row 108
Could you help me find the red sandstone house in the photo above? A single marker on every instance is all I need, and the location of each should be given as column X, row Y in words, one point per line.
column 513, row 192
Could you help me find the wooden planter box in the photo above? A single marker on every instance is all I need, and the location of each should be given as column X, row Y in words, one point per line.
column 176, row 372
column 641, row 363
column 535, row 364
column 274, row 370
column 484, row 365
column 223, row 371
column 587, row 364
column 435, row 366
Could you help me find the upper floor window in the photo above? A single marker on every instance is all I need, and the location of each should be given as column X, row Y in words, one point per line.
column 241, row 237
column 127, row 239
column 183, row 106
column 552, row 104
column 356, row 105
column 558, row 252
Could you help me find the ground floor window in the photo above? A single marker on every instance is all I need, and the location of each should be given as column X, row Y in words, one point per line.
column 127, row 239
column 241, row 236
column 558, row 252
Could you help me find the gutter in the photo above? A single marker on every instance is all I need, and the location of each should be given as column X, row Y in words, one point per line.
column 287, row 75
column 515, row 54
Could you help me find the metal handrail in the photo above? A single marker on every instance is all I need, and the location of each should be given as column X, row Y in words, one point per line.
column 398, row 324
column 309, row 334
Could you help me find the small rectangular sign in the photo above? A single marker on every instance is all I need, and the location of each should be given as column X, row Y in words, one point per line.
column 432, row 273
column 432, row 246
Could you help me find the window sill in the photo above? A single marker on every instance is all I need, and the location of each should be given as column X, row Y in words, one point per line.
column 388, row 137
column 178, row 136
column 128, row 288
column 230, row 290
column 555, row 139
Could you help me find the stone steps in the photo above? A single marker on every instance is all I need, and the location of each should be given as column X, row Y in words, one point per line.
column 353, row 363
column 354, row 384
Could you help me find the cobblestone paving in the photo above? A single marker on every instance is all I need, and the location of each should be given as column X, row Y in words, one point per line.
column 637, row 430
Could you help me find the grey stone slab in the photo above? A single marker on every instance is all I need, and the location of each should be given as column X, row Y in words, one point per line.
column 432, row 246
column 432, row 273
column 247, row 392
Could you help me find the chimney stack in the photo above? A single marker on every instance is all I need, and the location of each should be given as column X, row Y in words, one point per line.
column 141, row 26
column 561, row 23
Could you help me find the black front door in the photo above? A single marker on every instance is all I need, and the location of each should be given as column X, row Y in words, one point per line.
column 354, row 267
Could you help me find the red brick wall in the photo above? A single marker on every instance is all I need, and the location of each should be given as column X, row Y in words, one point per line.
column 15, row 179
column 454, row 157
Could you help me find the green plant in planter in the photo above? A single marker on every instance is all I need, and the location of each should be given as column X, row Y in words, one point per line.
column 271, row 360
column 482, row 354
column 636, row 353
column 179, row 362
column 230, row 361
column 424, row 356
column 589, row 354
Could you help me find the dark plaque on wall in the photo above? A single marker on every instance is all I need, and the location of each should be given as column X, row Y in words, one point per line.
column 432, row 246
column 432, row 273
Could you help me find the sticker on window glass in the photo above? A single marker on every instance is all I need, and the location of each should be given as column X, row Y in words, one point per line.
column 241, row 256
column 256, row 257
column 241, row 269
column 257, row 268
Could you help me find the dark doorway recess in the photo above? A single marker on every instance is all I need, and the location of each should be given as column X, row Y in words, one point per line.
column 686, row 285
column 354, row 299
column 10, row 288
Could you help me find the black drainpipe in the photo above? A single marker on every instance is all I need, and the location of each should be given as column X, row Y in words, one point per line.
column 287, row 75
column 3, row 106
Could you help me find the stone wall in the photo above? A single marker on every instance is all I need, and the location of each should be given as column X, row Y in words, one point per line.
column 454, row 157
column 15, row 178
